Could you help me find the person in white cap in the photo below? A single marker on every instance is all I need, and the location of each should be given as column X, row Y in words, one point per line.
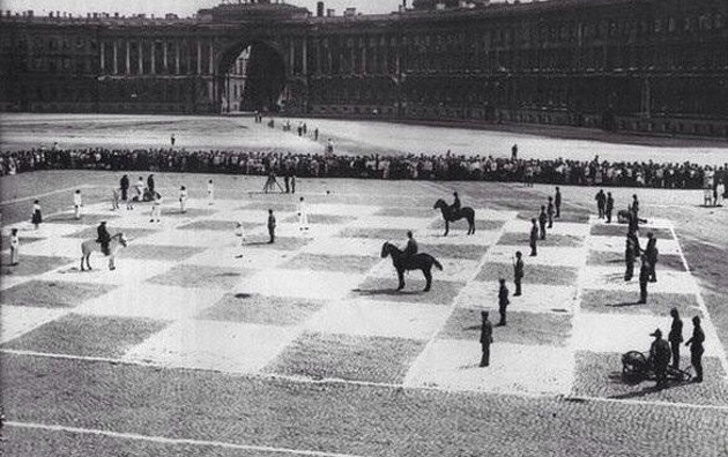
column 77, row 204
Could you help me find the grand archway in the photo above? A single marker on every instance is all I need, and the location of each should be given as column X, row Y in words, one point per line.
column 251, row 77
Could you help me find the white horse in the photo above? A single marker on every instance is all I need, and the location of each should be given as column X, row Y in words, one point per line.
column 117, row 242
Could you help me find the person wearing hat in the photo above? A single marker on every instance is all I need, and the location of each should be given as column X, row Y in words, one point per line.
column 660, row 358
column 557, row 202
column 609, row 207
column 502, row 302
column 651, row 254
column 697, row 349
column 542, row 219
column 550, row 212
column 675, row 337
column 456, row 203
column 271, row 227
column 103, row 237
column 486, row 338
column 644, row 278
column 518, row 273
column 533, row 239
column 411, row 248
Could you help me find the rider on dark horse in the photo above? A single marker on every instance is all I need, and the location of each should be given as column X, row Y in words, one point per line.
column 411, row 248
column 103, row 237
column 456, row 203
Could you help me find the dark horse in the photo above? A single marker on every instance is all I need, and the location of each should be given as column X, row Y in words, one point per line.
column 422, row 262
column 452, row 215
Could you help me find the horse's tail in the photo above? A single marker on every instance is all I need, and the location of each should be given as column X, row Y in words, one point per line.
column 437, row 264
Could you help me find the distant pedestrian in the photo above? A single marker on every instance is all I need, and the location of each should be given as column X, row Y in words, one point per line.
column 240, row 233
column 635, row 206
column 542, row 218
column 287, row 182
column 675, row 337
column 644, row 279
column 183, row 199
column 114, row 199
column 514, row 152
column 518, row 273
column 660, row 358
column 156, row 212
column 172, row 140
column 36, row 216
column 293, row 183
column 557, row 202
column 302, row 216
column 14, row 247
column 77, row 204
column 601, row 203
column 719, row 193
column 316, row 134
column 633, row 222
column 550, row 212
column 486, row 338
column 210, row 192
column 271, row 227
column 151, row 186
column 609, row 207
column 697, row 349
column 534, row 237
column 651, row 253
column 124, row 186
column 502, row 301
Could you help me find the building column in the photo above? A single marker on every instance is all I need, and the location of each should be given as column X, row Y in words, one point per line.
column 305, row 56
column 364, row 59
column 291, row 56
column 318, row 57
column 103, row 57
column 212, row 59
column 176, row 57
column 141, row 57
column 189, row 60
column 165, row 62
column 116, row 55
column 128, row 58
column 199, row 57
column 154, row 58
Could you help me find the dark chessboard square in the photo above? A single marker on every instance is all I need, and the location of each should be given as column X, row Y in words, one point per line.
column 534, row 274
column 192, row 213
column 340, row 263
column 392, row 235
column 385, row 289
column 89, row 336
column 86, row 219
column 276, row 206
column 282, row 243
column 522, row 239
column 354, row 358
column 129, row 232
column 623, row 302
column 615, row 229
column 260, row 309
column 325, row 219
column 607, row 258
column 522, row 327
column 52, row 294
column 407, row 211
column 162, row 253
column 31, row 265
column 201, row 276
column 454, row 251
column 222, row 226
column 573, row 216
column 480, row 224
column 600, row 375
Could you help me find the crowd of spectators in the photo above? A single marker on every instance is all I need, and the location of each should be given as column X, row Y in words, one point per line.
column 445, row 166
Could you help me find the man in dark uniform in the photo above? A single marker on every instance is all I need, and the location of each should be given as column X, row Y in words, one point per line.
column 542, row 218
column 271, row 227
column 697, row 349
column 651, row 254
column 124, row 184
column 150, row 185
column 534, row 237
column 675, row 337
column 631, row 250
column 456, row 203
column 550, row 211
column 557, row 202
column 660, row 358
column 103, row 237
column 633, row 223
column 502, row 301
column 644, row 278
column 518, row 273
column 411, row 248
column 609, row 207
column 601, row 202
column 486, row 338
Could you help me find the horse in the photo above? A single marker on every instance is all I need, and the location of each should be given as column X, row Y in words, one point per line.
column 117, row 242
column 422, row 262
column 451, row 215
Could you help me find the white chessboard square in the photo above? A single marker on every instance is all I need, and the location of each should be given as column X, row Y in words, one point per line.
column 189, row 238
column 569, row 228
column 379, row 318
column 518, row 226
column 128, row 271
column 213, row 345
column 18, row 320
column 514, row 369
column 488, row 214
column 458, row 236
column 300, row 284
column 394, row 222
column 54, row 230
column 456, row 270
column 152, row 301
column 333, row 209
column 537, row 298
column 345, row 246
column 252, row 258
column 618, row 243
column 547, row 255
column 247, row 215
column 55, row 247
column 295, row 230
column 612, row 278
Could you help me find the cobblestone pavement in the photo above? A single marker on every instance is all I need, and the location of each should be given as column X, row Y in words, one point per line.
column 190, row 342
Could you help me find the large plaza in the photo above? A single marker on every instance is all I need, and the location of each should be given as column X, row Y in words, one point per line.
column 196, row 345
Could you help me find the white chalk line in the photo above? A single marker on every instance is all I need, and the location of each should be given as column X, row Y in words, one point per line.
column 46, row 194
column 173, row 441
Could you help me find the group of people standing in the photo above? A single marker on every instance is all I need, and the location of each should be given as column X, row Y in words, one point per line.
column 663, row 351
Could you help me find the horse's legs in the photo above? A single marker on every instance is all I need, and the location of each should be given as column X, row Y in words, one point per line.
column 400, row 275
column 88, row 261
column 111, row 263
column 447, row 227
column 82, row 267
column 428, row 277
column 471, row 223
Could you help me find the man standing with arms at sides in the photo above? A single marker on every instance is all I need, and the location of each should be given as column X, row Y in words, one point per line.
column 631, row 250
column 502, row 302
column 660, row 357
column 644, row 279
column 601, row 201
column 271, row 227
column 77, row 204
column 557, row 202
column 518, row 273
column 675, row 337
column 542, row 218
column 550, row 212
column 697, row 349
column 651, row 254
column 302, row 216
column 609, row 207
column 486, row 338
column 534, row 237
column 124, row 185
column 210, row 192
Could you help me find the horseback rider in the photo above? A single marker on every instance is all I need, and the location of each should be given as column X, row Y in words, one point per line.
column 456, row 203
column 411, row 248
column 103, row 237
